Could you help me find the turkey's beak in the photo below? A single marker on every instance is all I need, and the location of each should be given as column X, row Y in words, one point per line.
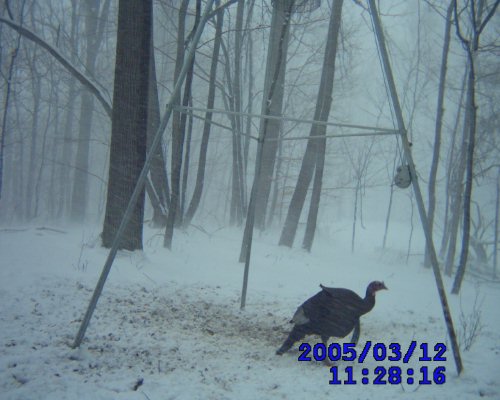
column 383, row 286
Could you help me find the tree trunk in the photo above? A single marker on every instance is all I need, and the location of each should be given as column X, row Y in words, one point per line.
column 467, row 198
column 315, row 151
column 5, row 113
column 496, row 226
column 36, row 84
column 52, row 102
column 159, row 178
column 129, row 122
column 200, row 176
column 472, row 47
column 237, row 197
column 246, row 243
column 439, row 126
column 272, row 104
column 67, row 144
column 457, row 191
column 184, row 141
column 94, row 23
column 312, row 217
column 79, row 196
column 64, row 181
column 55, row 146
column 450, row 168
column 177, row 133
column 277, row 176
column 185, row 164
column 250, row 84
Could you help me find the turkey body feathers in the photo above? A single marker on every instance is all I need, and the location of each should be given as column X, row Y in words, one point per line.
column 331, row 312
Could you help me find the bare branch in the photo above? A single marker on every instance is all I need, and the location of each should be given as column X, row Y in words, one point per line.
column 488, row 17
column 462, row 38
column 84, row 80
column 214, row 12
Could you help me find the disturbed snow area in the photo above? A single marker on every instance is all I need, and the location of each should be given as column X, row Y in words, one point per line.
column 169, row 326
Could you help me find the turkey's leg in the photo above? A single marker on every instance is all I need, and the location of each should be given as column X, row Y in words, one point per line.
column 355, row 334
column 295, row 335
column 327, row 360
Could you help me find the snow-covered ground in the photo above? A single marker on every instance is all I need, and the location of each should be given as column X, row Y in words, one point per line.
column 169, row 325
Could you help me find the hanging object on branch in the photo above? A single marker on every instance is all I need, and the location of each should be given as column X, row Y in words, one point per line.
column 403, row 177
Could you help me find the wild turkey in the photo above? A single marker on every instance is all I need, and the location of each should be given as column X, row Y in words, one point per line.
column 331, row 312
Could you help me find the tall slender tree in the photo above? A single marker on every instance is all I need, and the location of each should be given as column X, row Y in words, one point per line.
column 158, row 191
column 178, row 130
column 478, row 17
column 95, row 21
column 314, row 156
column 200, row 176
column 439, row 123
column 272, row 102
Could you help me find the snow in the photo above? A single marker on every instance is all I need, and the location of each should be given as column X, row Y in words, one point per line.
column 169, row 325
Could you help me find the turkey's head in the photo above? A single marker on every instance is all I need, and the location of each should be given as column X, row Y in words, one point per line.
column 375, row 286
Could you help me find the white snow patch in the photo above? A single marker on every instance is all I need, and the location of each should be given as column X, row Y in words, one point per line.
column 168, row 324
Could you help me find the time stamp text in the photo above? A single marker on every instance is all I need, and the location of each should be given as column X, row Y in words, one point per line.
column 381, row 375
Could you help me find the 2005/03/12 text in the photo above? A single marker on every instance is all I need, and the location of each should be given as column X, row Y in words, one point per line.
column 381, row 375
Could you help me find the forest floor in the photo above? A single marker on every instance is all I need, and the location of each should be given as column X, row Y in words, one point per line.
column 169, row 326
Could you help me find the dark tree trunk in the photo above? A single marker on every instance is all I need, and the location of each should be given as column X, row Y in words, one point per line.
column 185, row 163
column 312, row 217
column 237, row 197
column 250, row 85
column 467, row 197
column 185, row 134
column 200, row 176
column 159, row 178
column 177, row 134
column 129, row 121
column 471, row 46
column 274, row 86
column 178, row 130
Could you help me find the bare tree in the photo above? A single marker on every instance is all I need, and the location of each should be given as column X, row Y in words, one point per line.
column 274, row 85
column 36, row 86
column 95, row 21
column 439, row 123
column 471, row 45
column 8, row 92
column 360, row 165
column 315, row 151
column 451, row 168
column 274, row 82
column 157, row 188
column 179, row 128
column 456, row 189
column 67, row 148
column 200, row 176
